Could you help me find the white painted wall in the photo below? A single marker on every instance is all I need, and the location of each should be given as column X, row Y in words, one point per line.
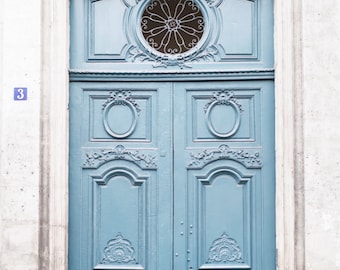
column 21, row 64
column 321, row 84
column 20, row 58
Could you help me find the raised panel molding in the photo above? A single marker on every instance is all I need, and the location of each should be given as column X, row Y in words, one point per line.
column 109, row 189
column 232, row 192
column 210, row 176
column 239, row 32
column 225, row 113
column 103, row 26
column 115, row 33
column 117, row 114
column 218, row 114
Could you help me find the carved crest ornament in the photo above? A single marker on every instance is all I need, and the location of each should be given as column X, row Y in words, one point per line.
column 225, row 98
column 120, row 98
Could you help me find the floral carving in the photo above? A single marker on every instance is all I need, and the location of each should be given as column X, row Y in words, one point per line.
column 95, row 159
column 223, row 97
column 224, row 250
column 209, row 54
column 248, row 159
column 119, row 251
column 214, row 2
column 138, row 55
column 121, row 97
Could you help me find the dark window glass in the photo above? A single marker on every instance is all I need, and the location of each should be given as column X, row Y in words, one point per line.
column 172, row 26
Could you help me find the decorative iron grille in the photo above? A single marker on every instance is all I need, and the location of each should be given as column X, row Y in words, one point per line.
column 172, row 26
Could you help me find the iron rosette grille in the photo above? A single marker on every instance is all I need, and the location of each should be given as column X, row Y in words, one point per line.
column 141, row 48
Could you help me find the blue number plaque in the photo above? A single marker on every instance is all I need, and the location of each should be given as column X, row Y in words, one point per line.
column 20, row 93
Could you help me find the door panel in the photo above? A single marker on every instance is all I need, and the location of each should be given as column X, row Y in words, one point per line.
column 224, row 181
column 120, row 182
column 107, row 35
column 172, row 175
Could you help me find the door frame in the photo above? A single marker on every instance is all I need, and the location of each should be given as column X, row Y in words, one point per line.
column 53, row 232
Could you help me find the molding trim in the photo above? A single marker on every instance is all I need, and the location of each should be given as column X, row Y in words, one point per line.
column 197, row 75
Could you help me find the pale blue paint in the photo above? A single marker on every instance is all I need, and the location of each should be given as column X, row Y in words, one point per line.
column 169, row 165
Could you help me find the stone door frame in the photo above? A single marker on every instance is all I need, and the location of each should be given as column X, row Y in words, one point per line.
column 53, row 234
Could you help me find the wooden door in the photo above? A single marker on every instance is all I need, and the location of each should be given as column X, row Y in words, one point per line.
column 171, row 135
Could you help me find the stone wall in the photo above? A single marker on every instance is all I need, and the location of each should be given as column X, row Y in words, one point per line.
column 321, row 105
column 20, row 66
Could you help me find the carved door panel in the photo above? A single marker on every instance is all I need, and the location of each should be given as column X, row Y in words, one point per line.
column 120, row 176
column 122, row 35
column 167, row 176
column 224, row 181
column 171, row 135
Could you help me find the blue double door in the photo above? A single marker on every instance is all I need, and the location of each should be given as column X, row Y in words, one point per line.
column 172, row 175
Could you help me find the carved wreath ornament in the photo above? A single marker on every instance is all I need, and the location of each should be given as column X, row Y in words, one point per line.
column 225, row 98
column 120, row 98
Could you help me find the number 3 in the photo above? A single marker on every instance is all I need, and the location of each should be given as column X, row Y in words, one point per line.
column 20, row 94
